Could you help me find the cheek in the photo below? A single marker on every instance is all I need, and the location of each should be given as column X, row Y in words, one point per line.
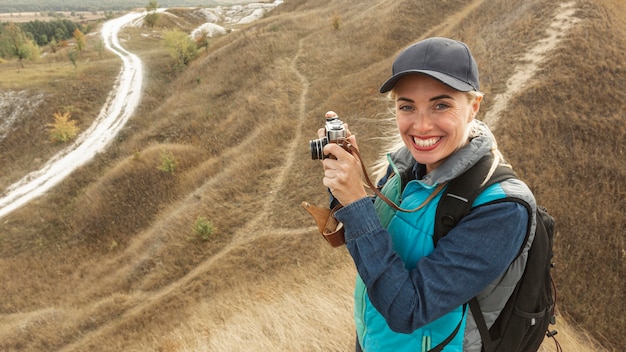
column 399, row 125
column 460, row 132
column 460, row 120
column 404, row 128
column 403, row 123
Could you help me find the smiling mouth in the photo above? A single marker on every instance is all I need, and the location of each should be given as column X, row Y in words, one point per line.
column 426, row 143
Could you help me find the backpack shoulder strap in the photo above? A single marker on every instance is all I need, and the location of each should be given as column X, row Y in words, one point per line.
column 455, row 203
column 458, row 197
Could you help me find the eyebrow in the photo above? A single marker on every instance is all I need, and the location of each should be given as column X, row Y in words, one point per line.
column 442, row 96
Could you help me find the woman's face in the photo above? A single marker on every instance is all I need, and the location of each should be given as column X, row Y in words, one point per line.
column 432, row 118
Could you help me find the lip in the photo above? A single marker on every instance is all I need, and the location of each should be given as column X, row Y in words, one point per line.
column 425, row 144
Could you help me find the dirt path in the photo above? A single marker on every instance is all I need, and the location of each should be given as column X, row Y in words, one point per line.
column 562, row 21
column 120, row 105
column 291, row 153
column 452, row 21
column 241, row 237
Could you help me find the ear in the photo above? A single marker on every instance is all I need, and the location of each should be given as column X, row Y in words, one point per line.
column 475, row 107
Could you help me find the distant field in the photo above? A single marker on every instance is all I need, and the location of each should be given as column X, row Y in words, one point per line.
column 25, row 11
column 43, row 16
column 33, row 6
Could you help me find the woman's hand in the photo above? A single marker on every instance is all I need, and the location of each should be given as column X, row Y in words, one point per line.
column 343, row 173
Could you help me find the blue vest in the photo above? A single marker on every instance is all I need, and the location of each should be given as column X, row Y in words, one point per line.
column 412, row 237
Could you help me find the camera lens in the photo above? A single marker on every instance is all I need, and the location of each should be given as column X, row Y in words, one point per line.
column 317, row 148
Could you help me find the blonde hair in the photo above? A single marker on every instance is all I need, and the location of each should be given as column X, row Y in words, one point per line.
column 475, row 129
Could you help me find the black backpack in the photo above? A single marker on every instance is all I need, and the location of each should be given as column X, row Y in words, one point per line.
column 524, row 321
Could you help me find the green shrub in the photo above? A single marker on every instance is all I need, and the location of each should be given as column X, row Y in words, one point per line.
column 203, row 228
column 168, row 164
column 63, row 130
column 180, row 46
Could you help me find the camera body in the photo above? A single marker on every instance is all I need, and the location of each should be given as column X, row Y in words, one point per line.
column 335, row 133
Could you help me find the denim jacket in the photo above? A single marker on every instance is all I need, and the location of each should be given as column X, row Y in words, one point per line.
column 404, row 285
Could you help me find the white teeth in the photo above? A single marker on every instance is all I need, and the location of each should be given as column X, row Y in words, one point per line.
column 424, row 143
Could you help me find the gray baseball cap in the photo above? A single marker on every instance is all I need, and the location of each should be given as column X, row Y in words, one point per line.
column 446, row 60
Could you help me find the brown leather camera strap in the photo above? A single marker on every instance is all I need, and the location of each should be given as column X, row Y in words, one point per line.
column 329, row 227
column 374, row 189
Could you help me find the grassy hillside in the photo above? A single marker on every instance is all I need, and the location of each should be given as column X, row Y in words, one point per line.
column 109, row 260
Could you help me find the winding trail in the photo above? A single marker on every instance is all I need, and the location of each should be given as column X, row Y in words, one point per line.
column 120, row 105
column 563, row 20
column 291, row 153
column 241, row 236
column 443, row 29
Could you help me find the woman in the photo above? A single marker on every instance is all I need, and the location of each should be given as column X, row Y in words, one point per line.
column 410, row 296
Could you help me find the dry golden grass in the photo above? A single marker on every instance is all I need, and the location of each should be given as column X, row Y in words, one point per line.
column 108, row 260
column 60, row 87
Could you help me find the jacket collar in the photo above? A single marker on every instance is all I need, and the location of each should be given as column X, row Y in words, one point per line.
column 456, row 164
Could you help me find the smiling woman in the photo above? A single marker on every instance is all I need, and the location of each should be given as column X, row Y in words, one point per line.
column 407, row 289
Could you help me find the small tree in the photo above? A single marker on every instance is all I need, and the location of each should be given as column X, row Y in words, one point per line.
column 152, row 6
column 150, row 19
column 202, row 39
column 15, row 43
column 180, row 46
column 63, row 129
column 73, row 56
column 79, row 38
column 151, row 16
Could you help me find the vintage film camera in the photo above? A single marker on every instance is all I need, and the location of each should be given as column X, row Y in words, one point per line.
column 335, row 133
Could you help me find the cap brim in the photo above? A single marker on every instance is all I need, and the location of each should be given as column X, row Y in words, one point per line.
column 443, row 78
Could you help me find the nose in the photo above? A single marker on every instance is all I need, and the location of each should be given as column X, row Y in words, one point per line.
column 422, row 122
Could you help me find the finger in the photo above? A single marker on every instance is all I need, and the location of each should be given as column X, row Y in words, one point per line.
column 336, row 150
column 330, row 174
column 328, row 183
column 321, row 132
